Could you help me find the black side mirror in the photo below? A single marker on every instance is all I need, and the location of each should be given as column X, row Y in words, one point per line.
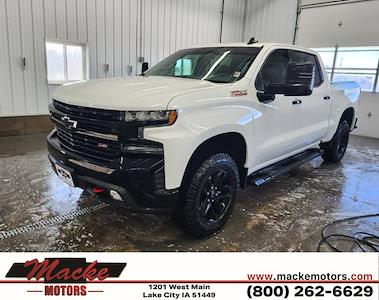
column 299, row 82
column 145, row 66
column 265, row 98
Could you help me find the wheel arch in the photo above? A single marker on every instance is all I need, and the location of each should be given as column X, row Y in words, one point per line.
column 348, row 116
column 231, row 143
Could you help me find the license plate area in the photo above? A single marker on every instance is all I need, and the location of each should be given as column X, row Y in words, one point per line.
column 65, row 175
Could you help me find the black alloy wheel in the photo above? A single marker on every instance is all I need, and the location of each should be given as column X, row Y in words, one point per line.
column 208, row 194
column 335, row 150
column 216, row 196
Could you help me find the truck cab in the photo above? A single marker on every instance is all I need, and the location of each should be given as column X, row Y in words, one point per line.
column 188, row 133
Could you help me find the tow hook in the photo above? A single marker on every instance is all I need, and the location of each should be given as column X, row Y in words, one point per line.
column 95, row 190
column 98, row 190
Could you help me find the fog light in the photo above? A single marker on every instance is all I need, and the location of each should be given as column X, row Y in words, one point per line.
column 116, row 196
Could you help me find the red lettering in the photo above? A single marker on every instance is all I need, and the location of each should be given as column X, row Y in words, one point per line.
column 91, row 273
column 83, row 290
column 103, row 273
column 76, row 274
column 40, row 269
column 46, row 269
column 62, row 274
column 65, row 290
column 49, row 290
column 57, row 290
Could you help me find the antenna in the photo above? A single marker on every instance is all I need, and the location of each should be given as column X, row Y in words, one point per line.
column 252, row 41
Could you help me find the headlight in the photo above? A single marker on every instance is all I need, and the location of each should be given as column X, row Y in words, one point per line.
column 155, row 117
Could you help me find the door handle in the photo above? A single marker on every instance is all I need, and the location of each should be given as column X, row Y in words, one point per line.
column 326, row 97
column 297, row 101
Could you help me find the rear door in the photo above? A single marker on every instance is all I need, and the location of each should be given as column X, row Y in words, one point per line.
column 313, row 117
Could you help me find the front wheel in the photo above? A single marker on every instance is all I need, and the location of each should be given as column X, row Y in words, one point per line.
column 335, row 150
column 208, row 199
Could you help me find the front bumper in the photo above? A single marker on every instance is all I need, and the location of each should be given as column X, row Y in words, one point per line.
column 137, row 178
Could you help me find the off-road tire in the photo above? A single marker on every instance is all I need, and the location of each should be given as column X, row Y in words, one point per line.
column 335, row 150
column 194, row 197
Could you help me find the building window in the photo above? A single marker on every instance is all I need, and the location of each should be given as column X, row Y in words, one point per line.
column 359, row 64
column 66, row 62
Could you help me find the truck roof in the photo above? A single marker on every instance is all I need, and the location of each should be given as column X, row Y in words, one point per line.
column 257, row 44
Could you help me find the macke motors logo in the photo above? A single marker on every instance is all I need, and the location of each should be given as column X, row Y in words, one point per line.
column 65, row 276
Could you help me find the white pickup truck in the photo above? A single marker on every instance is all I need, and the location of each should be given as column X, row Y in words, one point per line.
column 188, row 133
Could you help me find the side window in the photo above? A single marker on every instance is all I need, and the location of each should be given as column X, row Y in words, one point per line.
column 274, row 69
column 302, row 57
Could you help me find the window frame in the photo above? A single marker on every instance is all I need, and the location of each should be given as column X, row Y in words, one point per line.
column 348, row 71
column 66, row 43
column 318, row 65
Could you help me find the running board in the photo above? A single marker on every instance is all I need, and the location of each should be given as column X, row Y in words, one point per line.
column 273, row 171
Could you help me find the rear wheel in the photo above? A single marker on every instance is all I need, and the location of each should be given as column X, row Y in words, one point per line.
column 209, row 196
column 335, row 150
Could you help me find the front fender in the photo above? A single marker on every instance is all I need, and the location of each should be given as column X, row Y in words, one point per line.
column 195, row 126
column 345, row 95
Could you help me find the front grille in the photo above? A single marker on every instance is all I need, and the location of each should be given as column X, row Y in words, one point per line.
column 88, row 146
column 95, row 135
column 89, row 119
column 88, row 113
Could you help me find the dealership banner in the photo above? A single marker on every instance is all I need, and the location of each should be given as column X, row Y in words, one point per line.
column 189, row 275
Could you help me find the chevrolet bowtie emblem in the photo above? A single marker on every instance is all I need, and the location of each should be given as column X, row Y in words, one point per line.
column 102, row 146
column 68, row 122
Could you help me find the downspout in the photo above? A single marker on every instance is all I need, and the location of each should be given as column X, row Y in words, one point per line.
column 139, row 39
column 298, row 12
column 222, row 19
column 140, row 30
column 244, row 20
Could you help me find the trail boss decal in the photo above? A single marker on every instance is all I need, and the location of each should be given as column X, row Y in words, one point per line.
column 238, row 93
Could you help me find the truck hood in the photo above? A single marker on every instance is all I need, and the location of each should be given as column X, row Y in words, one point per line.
column 128, row 93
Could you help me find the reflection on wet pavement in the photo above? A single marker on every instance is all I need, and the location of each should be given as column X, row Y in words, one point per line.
column 284, row 215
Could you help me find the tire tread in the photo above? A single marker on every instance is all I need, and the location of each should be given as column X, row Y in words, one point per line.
column 185, row 213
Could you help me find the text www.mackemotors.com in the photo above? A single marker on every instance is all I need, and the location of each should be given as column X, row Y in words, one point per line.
column 311, row 277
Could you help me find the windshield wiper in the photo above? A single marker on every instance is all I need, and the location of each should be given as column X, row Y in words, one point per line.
column 182, row 76
column 216, row 81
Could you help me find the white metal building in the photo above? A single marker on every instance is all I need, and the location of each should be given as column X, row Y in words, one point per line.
column 47, row 43
column 117, row 35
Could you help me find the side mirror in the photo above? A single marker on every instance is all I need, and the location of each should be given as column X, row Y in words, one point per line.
column 145, row 66
column 299, row 82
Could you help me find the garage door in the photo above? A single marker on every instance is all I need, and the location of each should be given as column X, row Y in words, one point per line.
column 353, row 23
column 346, row 35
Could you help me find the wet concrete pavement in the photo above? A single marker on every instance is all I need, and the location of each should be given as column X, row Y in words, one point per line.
column 287, row 214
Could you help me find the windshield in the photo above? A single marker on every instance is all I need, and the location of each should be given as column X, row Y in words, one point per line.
column 223, row 65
